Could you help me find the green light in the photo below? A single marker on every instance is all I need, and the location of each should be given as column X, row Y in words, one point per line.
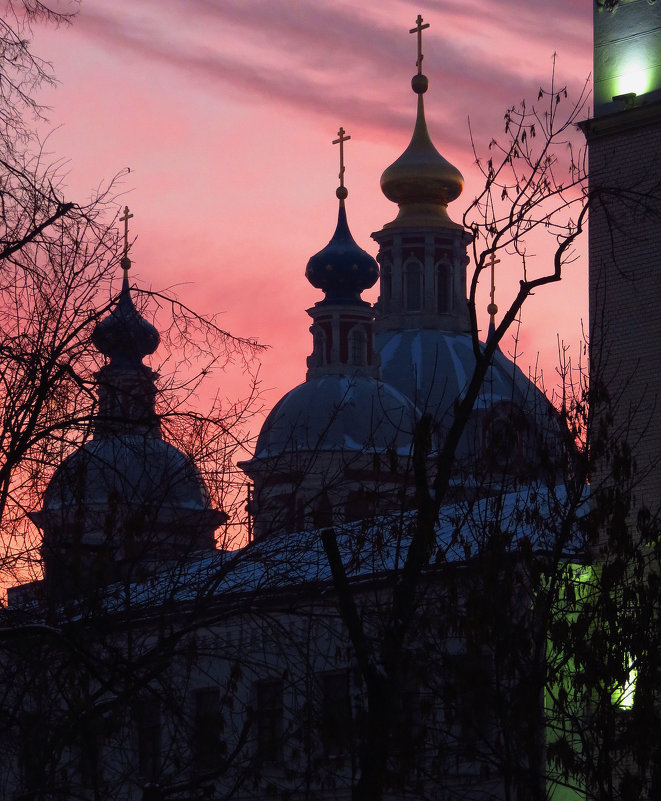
column 623, row 697
column 633, row 78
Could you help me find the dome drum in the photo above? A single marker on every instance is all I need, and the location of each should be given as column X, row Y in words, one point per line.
column 321, row 437
column 423, row 280
column 342, row 341
column 326, row 489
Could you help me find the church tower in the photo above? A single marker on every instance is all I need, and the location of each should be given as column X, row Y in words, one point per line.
column 126, row 503
column 624, row 138
column 423, row 332
column 422, row 255
column 335, row 449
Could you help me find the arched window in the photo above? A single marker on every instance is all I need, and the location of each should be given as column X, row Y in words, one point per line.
column 284, row 511
column 503, row 439
column 413, row 285
column 357, row 346
column 322, row 512
column 443, row 293
column 360, row 504
column 318, row 347
column 386, row 284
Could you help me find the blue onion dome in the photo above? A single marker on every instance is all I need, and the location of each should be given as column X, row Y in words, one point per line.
column 342, row 269
column 124, row 335
column 421, row 181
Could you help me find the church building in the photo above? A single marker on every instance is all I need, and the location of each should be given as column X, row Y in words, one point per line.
column 385, row 633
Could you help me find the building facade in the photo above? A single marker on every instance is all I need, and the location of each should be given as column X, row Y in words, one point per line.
column 625, row 169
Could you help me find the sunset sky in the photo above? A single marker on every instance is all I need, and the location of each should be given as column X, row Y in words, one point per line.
column 224, row 110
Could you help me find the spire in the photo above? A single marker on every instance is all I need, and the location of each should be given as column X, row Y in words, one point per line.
column 126, row 262
column 422, row 252
column 492, row 309
column 127, row 388
column 342, row 269
column 421, row 181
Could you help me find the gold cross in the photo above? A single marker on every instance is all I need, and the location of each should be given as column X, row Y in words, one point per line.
column 125, row 219
column 342, row 139
column 419, row 29
column 492, row 308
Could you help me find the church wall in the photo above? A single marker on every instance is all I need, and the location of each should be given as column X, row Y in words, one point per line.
column 249, row 649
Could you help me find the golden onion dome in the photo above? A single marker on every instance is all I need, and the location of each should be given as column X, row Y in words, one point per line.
column 421, row 181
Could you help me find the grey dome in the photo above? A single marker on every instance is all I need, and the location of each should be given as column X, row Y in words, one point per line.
column 119, row 504
column 513, row 427
column 433, row 368
column 132, row 470
column 338, row 413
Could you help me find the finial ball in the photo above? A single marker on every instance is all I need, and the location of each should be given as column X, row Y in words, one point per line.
column 341, row 192
column 420, row 84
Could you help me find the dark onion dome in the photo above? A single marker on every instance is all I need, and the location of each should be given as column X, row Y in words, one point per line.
column 124, row 335
column 421, row 181
column 342, row 269
column 343, row 414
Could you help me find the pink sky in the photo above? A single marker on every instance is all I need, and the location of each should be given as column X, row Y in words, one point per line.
column 225, row 110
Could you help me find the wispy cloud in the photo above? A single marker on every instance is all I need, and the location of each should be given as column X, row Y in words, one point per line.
column 338, row 60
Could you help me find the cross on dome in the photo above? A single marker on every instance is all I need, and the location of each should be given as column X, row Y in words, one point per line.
column 342, row 269
column 341, row 191
column 126, row 262
column 419, row 28
column 492, row 308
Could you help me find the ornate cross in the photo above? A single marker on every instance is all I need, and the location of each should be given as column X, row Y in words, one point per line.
column 492, row 308
column 341, row 140
column 125, row 219
column 419, row 29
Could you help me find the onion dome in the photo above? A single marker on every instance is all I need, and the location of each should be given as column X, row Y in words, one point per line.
column 421, row 181
column 124, row 336
column 342, row 269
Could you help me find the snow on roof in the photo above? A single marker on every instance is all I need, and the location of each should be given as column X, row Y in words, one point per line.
column 531, row 517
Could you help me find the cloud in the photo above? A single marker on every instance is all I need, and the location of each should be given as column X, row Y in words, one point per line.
column 343, row 62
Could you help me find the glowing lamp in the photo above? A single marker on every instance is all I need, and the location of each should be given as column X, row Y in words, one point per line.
column 633, row 79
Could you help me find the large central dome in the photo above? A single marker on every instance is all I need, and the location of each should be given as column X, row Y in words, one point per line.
column 513, row 427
